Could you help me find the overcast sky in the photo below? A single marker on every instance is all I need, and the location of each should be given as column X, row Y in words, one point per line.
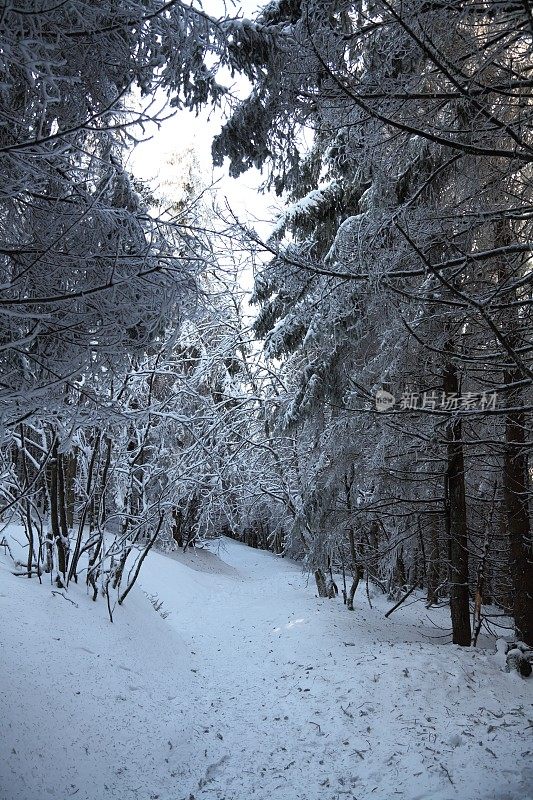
column 183, row 131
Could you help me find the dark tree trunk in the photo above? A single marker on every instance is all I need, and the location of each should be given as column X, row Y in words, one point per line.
column 456, row 522
column 433, row 563
column 321, row 583
column 399, row 577
column 27, row 506
column 358, row 576
column 177, row 522
column 62, row 497
column 515, row 464
column 356, row 566
column 54, row 513
column 85, row 511
column 93, row 571
column 70, row 476
column 515, row 492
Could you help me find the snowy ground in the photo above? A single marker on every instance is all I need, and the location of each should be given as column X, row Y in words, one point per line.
column 250, row 688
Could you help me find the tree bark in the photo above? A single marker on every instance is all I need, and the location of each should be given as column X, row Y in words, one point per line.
column 321, row 583
column 433, row 563
column 358, row 570
column 515, row 466
column 515, row 492
column 54, row 513
column 358, row 576
column 62, row 496
column 456, row 521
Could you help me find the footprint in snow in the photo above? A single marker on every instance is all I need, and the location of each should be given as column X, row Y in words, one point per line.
column 212, row 771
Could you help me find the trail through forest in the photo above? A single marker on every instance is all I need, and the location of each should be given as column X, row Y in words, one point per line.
column 244, row 684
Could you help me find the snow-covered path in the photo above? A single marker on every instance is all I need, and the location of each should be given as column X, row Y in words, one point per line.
column 250, row 688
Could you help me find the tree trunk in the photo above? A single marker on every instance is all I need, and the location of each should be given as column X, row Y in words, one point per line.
column 70, row 476
column 321, row 583
column 433, row 563
column 357, row 568
column 515, row 492
column 85, row 511
column 62, row 497
column 27, row 506
column 177, row 522
column 515, row 465
column 456, row 522
column 54, row 513
column 358, row 576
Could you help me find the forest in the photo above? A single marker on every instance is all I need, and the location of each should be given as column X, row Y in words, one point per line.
column 364, row 411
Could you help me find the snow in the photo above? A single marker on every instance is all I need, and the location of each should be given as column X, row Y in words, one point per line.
column 250, row 687
column 308, row 206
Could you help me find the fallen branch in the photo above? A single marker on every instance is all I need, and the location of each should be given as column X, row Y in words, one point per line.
column 65, row 597
column 402, row 600
column 26, row 574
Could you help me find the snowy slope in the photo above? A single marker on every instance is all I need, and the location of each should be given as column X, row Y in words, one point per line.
column 250, row 688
